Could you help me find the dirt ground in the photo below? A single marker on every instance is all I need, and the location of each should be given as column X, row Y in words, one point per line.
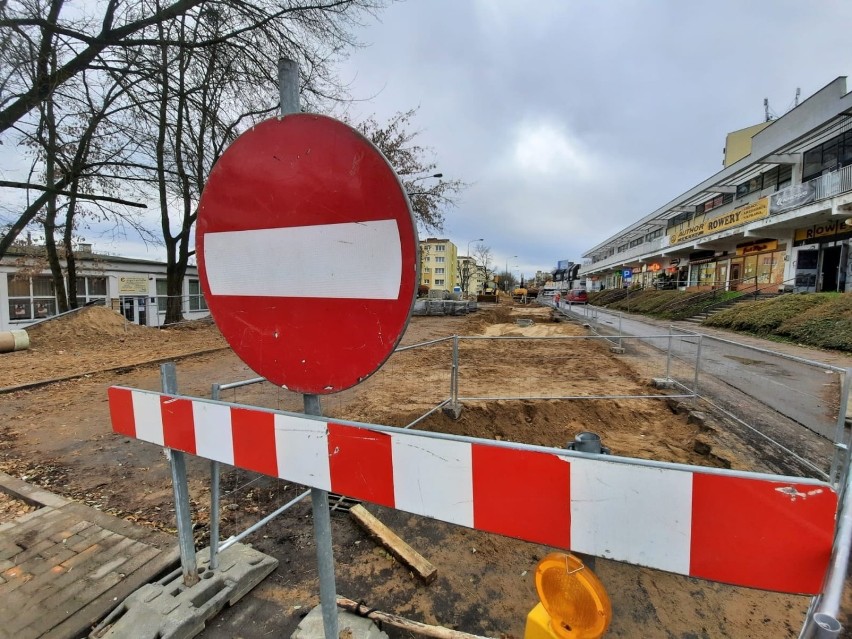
column 58, row 436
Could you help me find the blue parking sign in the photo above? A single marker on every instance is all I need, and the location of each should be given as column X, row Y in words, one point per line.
column 627, row 273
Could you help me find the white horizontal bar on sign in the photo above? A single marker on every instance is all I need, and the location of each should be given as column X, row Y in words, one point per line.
column 354, row 260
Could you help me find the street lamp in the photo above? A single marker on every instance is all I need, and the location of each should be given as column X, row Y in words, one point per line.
column 467, row 281
column 506, row 272
column 426, row 177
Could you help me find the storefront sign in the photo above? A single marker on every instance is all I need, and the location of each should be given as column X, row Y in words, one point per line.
column 824, row 231
column 743, row 215
column 792, row 197
column 757, row 247
column 654, row 267
column 637, row 270
column 133, row 285
column 674, row 261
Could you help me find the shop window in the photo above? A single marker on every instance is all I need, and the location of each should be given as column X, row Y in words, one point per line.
column 43, row 287
column 31, row 298
column 18, row 287
column 196, row 298
column 162, row 295
column 707, row 274
column 764, row 268
column 777, row 274
column 749, row 268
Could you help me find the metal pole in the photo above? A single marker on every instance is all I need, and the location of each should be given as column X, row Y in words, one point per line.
column 214, row 500
column 454, row 378
column 669, row 355
column 840, row 447
column 322, row 536
column 288, row 86
column 829, row 604
column 619, row 330
column 168, row 379
column 697, row 367
column 288, row 89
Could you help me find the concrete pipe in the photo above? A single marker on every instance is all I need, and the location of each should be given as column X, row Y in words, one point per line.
column 14, row 341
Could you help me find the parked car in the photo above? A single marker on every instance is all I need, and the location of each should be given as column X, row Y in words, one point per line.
column 577, row 296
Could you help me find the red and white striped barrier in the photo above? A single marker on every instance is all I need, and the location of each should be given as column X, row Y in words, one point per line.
column 769, row 533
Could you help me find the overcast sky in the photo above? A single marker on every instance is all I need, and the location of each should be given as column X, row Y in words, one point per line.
column 569, row 119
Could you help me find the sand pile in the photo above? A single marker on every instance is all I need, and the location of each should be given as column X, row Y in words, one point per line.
column 87, row 325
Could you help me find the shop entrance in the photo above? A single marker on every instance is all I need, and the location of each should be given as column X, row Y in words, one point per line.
column 736, row 272
column 134, row 309
column 830, row 269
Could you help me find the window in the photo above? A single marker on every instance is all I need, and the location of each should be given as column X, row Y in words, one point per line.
column 653, row 235
column 440, row 247
column 196, row 298
column 35, row 297
column 637, row 241
column 828, row 156
column 91, row 289
column 162, row 295
column 775, row 179
column 439, row 282
column 440, row 260
column 439, row 271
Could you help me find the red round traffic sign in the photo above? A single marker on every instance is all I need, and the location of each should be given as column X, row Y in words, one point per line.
column 306, row 250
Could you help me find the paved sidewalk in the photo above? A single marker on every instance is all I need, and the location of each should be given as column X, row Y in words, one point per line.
column 64, row 565
column 834, row 358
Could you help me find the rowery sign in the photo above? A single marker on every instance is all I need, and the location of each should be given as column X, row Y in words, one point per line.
column 742, row 215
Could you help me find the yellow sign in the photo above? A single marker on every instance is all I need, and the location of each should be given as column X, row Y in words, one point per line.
column 743, row 215
column 133, row 285
column 823, row 229
column 758, row 247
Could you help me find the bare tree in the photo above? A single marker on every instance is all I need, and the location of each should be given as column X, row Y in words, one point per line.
column 413, row 163
column 483, row 257
column 27, row 25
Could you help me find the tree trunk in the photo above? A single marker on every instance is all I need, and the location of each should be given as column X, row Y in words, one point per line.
column 50, row 218
column 70, row 260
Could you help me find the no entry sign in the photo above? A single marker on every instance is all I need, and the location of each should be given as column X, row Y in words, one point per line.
column 307, row 249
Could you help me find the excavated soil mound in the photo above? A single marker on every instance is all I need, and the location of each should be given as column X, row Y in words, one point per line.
column 93, row 322
column 97, row 338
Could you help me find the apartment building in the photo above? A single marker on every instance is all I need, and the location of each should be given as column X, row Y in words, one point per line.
column 475, row 275
column 135, row 288
column 439, row 264
column 778, row 216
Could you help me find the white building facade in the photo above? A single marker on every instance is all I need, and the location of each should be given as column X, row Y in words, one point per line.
column 135, row 288
column 777, row 217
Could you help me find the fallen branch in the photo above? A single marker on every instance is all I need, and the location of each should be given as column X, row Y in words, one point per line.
column 438, row 632
column 392, row 542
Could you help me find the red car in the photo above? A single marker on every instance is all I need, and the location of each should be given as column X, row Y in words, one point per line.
column 577, row 296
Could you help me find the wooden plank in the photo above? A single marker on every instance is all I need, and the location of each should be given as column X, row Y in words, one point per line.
column 425, row 630
column 396, row 546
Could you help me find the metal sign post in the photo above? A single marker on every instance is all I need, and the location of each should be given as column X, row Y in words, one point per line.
column 307, row 257
column 288, row 89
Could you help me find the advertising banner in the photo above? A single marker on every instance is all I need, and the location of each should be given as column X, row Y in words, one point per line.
column 792, row 197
